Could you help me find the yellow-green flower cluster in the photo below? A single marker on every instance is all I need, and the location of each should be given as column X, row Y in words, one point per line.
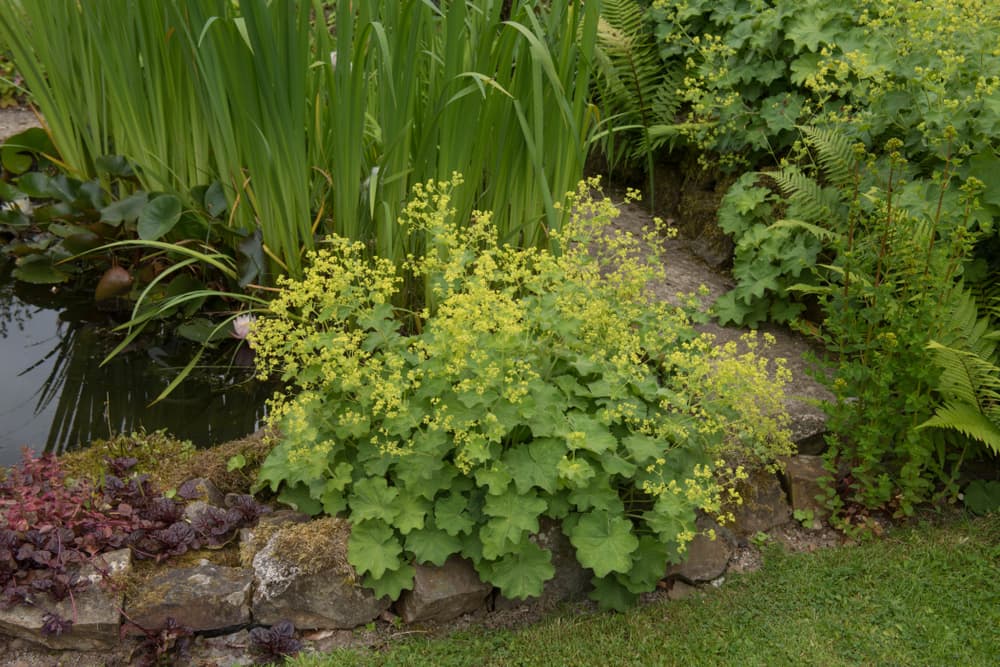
column 525, row 371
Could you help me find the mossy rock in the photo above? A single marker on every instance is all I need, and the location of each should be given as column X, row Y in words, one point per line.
column 156, row 452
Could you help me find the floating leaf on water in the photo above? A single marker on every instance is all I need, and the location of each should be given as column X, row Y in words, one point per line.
column 39, row 270
column 125, row 210
column 158, row 217
column 115, row 282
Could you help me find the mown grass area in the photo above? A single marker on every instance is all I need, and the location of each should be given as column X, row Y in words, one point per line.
column 924, row 595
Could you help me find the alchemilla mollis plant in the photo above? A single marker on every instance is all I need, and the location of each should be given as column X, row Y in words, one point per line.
column 532, row 383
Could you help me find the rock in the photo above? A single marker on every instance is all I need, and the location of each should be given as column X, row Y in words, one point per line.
column 680, row 590
column 707, row 559
column 204, row 597
column 97, row 610
column 571, row 580
column 808, row 426
column 230, row 650
column 200, row 493
column 201, row 489
column 302, row 575
column 765, row 505
column 802, row 474
column 443, row 593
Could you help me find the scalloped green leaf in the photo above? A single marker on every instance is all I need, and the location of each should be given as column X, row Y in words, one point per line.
column 412, row 511
column 670, row 516
column 374, row 548
column 603, row 542
column 520, row 573
column 373, row 498
column 451, row 514
column 392, row 582
column 610, row 593
column 496, row 478
column 431, row 544
column 513, row 515
column 649, row 565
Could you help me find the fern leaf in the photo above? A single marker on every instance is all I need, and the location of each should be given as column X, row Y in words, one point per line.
column 966, row 419
column 804, row 194
column 835, row 152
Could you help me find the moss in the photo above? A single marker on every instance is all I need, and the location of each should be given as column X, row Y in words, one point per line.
column 213, row 464
column 137, row 581
column 316, row 546
column 156, row 452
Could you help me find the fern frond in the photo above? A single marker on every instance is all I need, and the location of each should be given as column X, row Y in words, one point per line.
column 966, row 377
column 835, row 152
column 634, row 85
column 965, row 419
column 806, row 198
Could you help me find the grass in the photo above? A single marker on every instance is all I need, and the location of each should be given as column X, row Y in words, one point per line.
column 926, row 595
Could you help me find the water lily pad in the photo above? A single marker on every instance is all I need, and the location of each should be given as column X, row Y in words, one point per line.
column 125, row 210
column 38, row 269
column 158, row 217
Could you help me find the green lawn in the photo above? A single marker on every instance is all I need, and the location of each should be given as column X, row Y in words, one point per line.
column 927, row 595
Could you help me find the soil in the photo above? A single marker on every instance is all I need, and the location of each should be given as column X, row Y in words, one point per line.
column 686, row 274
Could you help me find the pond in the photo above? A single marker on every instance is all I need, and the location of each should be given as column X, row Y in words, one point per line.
column 55, row 395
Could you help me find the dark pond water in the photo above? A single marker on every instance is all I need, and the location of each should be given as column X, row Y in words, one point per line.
column 56, row 396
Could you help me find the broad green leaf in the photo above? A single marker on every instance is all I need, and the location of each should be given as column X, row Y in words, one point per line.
column 520, row 573
column 158, row 217
column 372, row 498
column 535, row 464
column 215, row 200
column 616, row 465
column 604, row 542
column 649, row 565
column 451, row 514
column 203, row 330
column 575, row 471
column 430, row 544
column 299, row 497
column 590, row 434
column 124, row 210
column 513, row 515
column 610, row 593
column 412, row 511
column 670, row 516
column 392, row 583
column 599, row 495
column 373, row 548
column 497, row 478
column 38, row 270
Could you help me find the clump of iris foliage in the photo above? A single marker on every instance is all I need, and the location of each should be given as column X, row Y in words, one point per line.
column 532, row 383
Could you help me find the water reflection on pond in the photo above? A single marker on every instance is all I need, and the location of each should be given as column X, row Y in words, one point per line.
column 56, row 396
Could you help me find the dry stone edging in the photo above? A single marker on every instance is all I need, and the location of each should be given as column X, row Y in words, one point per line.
column 95, row 610
column 203, row 598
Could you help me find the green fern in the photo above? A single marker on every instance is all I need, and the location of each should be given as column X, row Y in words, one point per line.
column 635, row 88
column 970, row 378
column 835, row 154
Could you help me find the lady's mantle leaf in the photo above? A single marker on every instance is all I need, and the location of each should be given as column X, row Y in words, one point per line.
column 609, row 593
column 513, row 515
column 521, row 573
column 603, row 542
column 450, row 512
column 373, row 499
column 373, row 548
column 430, row 544
column 392, row 582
